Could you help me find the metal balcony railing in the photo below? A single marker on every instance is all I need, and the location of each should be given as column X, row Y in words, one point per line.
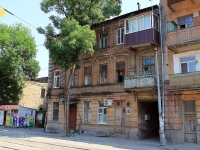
column 140, row 81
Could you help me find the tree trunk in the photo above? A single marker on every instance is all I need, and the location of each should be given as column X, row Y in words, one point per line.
column 67, row 99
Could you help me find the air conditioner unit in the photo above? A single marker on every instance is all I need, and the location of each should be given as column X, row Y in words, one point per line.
column 108, row 102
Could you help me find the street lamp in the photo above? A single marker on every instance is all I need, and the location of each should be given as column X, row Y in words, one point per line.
column 161, row 120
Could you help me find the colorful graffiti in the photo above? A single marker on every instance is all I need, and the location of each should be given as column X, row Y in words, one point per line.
column 20, row 121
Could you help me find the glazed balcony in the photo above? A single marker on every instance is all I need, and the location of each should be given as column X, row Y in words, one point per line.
column 184, row 81
column 142, row 38
column 135, row 83
column 184, row 40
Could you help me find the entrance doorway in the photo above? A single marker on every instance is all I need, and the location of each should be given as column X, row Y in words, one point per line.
column 73, row 110
column 190, row 121
column 148, row 119
column 120, row 117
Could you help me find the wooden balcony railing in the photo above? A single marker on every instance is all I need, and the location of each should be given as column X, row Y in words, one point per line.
column 182, row 36
column 140, row 81
column 184, row 81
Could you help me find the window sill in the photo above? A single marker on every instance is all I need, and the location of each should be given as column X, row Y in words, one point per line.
column 102, row 123
column 119, row 44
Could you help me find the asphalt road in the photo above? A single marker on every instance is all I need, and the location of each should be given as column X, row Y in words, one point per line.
column 36, row 139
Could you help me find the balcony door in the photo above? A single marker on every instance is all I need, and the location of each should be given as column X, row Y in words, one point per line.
column 190, row 121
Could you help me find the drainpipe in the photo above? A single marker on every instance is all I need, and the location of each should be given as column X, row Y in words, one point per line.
column 161, row 123
column 162, row 59
column 160, row 106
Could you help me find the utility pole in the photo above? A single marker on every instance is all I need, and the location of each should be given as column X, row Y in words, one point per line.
column 161, row 121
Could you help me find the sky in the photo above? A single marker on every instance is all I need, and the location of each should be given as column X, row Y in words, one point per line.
column 30, row 12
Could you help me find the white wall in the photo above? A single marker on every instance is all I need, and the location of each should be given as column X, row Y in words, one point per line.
column 177, row 63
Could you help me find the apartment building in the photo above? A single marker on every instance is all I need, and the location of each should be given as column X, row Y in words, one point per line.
column 115, row 89
column 181, row 22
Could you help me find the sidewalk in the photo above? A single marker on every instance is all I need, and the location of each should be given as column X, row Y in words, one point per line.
column 152, row 143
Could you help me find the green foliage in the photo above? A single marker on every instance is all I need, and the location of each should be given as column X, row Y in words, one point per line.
column 71, row 33
column 17, row 60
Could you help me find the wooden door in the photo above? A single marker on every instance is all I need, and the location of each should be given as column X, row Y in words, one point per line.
column 190, row 128
column 73, row 117
column 190, row 121
column 120, row 117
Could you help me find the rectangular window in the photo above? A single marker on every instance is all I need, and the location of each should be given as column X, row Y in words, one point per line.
column 87, row 112
column 171, row 26
column 74, row 78
column 102, row 113
column 141, row 23
column 156, row 22
column 55, row 111
column 42, row 94
column 188, row 64
column 185, row 22
column 104, row 40
column 103, row 74
column 56, row 79
column 120, row 36
column 120, row 71
column 148, row 66
column 88, row 75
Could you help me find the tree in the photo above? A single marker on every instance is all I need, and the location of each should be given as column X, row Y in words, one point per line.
column 71, row 33
column 17, row 61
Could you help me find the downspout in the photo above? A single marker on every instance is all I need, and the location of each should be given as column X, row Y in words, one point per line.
column 162, row 61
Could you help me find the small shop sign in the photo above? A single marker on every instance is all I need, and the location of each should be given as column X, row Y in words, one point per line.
column 8, row 107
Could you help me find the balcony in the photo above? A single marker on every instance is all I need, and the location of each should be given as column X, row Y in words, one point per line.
column 95, row 89
column 142, row 38
column 177, row 4
column 184, row 40
column 184, row 81
column 135, row 83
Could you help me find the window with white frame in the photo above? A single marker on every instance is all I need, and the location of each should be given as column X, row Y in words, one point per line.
column 104, row 40
column 103, row 74
column 74, row 78
column 87, row 112
column 120, row 36
column 56, row 79
column 188, row 64
column 142, row 22
column 102, row 113
column 88, row 75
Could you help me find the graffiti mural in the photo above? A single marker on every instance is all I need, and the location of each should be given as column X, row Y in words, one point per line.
column 1, row 117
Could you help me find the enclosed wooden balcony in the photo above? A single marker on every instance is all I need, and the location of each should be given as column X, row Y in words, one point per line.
column 184, row 81
column 142, row 38
column 137, row 83
column 184, row 40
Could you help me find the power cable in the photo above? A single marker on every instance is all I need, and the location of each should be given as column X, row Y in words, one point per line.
column 27, row 23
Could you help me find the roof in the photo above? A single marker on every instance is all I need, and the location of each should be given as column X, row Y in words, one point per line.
column 133, row 13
